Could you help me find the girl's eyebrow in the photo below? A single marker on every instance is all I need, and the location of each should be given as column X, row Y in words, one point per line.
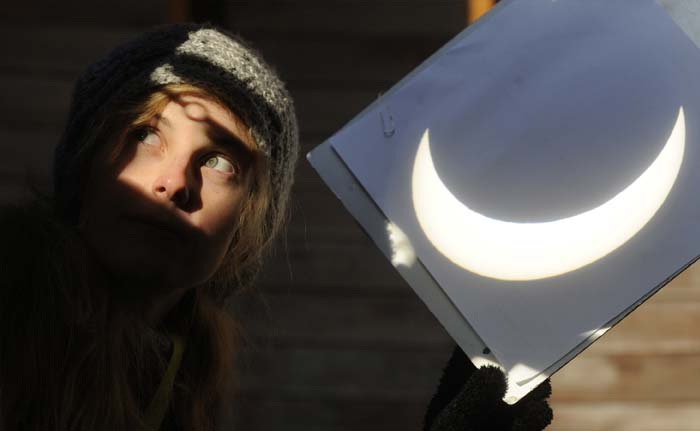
column 218, row 137
column 229, row 141
column 163, row 120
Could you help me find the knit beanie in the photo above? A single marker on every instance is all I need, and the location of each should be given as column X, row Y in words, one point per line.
column 198, row 54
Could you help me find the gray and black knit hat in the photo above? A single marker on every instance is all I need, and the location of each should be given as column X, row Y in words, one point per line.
column 198, row 54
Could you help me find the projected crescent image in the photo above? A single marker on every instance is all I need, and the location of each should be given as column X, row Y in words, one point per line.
column 528, row 251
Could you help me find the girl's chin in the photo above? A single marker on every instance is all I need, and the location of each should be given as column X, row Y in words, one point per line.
column 143, row 272
column 148, row 266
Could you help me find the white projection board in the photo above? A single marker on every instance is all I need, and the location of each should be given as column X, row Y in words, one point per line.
column 536, row 179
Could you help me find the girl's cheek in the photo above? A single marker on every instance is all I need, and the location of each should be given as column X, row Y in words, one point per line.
column 223, row 208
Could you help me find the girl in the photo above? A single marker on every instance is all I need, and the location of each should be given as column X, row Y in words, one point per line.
column 170, row 181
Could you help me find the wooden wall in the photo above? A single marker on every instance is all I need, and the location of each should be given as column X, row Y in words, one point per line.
column 335, row 339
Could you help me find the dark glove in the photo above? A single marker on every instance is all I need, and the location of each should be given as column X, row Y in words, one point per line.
column 470, row 399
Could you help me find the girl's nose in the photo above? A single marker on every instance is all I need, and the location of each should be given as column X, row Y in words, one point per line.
column 174, row 183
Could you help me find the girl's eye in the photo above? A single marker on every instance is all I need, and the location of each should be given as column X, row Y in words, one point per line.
column 146, row 136
column 220, row 163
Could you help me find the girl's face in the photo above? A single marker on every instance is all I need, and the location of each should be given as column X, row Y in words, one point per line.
column 164, row 212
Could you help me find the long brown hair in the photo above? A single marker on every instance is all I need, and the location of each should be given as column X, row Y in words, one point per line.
column 72, row 357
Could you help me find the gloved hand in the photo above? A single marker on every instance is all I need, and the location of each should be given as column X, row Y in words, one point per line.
column 470, row 399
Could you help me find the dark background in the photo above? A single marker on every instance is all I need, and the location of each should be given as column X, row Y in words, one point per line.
column 335, row 340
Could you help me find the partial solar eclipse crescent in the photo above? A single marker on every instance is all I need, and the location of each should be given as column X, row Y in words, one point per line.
column 529, row 251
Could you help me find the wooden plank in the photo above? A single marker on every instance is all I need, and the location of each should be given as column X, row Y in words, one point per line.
column 124, row 13
column 27, row 157
column 625, row 416
column 51, row 50
column 689, row 279
column 381, row 375
column 327, row 110
column 348, row 320
column 11, row 192
column 179, row 10
column 272, row 413
column 663, row 377
column 33, row 104
column 332, row 266
column 26, row 151
column 370, row 61
column 320, row 212
column 655, row 328
column 444, row 18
